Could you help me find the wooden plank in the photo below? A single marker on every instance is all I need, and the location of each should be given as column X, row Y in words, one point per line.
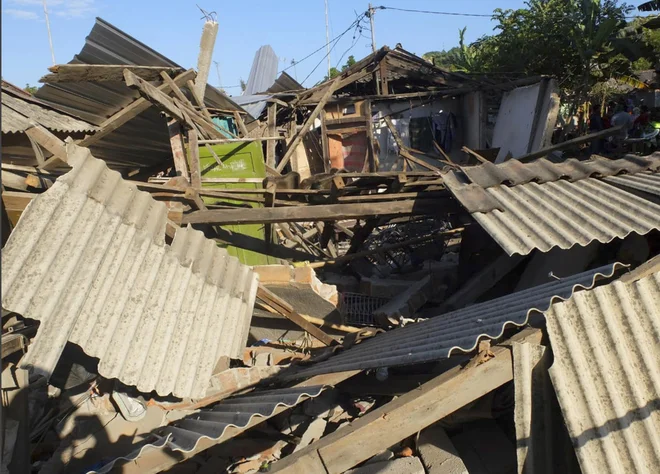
column 178, row 150
column 156, row 96
column 567, row 144
column 177, row 91
column 284, row 308
column 131, row 111
column 272, row 131
column 323, row 212
column 307, row 125
column 240, row 140
column 371, row 153
column 241, row 124
column 104, row 73
column 199, row 100
column 14, row 203
column 406, row 415
column 475, row 154
column 325, row 142
column 193, row 155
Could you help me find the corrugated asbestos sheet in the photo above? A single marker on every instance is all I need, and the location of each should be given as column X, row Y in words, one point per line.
column 144, row 140
column 263, row 72
column 646, row 182
column 212, row 423
column 606, row 372
column 562, row 214
column 88, row 260
column 542, row 205
column 438, row 337
column 513, row 172
column 18, row 112
column 542, row 442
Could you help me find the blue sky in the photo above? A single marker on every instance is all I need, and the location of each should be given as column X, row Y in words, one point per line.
column 293, row 28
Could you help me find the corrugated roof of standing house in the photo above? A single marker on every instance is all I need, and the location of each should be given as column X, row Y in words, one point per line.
column 88, row 259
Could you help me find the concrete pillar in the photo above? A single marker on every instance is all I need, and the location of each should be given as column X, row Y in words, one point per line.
column 209, row 33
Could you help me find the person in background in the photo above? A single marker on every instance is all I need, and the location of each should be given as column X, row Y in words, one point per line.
column 595, row 125
column 644, row 117
column 622, row 118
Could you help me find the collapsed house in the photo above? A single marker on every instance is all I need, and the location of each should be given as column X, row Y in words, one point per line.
column 388, row 272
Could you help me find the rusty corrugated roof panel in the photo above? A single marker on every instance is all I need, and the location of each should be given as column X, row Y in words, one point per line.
column 18, row 112
column 88, row 260
column 513, row 172
column 460, row 330
column 606, row 371
column 212, row 423
column 562, row 214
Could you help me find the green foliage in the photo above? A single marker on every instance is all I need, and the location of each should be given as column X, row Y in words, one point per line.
column 584, row 44
column 334, row 72
column 243, row 84
column 30, row 89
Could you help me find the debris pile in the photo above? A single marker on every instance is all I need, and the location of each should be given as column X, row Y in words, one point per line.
column 365, row 277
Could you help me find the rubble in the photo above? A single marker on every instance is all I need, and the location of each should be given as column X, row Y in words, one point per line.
column 319, row 280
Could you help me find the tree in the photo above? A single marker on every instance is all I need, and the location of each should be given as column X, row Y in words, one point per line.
column 582, row 43
column 31, row 89
column 334, row 72
column 243, row 84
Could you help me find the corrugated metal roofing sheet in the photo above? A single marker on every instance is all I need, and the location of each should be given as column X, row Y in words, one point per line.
column 263, row 72
column 144, row 140
column 606, row 372
column 17, row 113
column 212, row 423
column 562, row 214
column 513, row 172
column 88, row 260
column 438, row 337
column 285, row 83
column 253, row 104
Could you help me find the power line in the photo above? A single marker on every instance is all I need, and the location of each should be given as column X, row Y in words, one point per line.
column 324, row 45
column 434, row 13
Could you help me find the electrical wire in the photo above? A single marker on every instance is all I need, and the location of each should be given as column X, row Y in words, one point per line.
column 336, row 38
column 356, row 24
column 434, row 13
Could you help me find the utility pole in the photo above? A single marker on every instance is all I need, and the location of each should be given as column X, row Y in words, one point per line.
column 372, row 12
column 50, row 39
column 327, row 37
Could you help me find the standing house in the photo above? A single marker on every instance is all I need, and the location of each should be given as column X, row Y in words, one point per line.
column 433, row 111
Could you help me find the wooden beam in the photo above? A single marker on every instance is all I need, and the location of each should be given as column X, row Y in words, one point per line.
column 323, row 212
column 199, row 100
column 241, row 140
column 325, row 142
column 567, row 144
column 272, row 131
column 475, row 154
column 307, row 125
column 14, row 203
column 178, row 149
column 50, row 142
column 406, row 415
column 193, row 155
column 104, row 73
column 284, row 308
column 241, row 124
column 131, row 111
column 371, row 153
